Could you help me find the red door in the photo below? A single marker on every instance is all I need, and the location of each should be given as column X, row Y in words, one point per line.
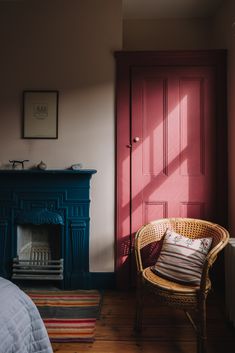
column 171, row 142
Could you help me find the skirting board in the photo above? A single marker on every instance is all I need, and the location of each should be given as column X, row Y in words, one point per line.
column 89, row 280
column 102, row 280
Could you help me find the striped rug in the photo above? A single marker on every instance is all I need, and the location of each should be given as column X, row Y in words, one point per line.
column 69, row 316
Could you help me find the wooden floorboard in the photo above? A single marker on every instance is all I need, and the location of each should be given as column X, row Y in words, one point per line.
column 164, row 330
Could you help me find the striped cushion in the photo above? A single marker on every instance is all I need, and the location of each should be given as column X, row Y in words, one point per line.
column 181, row 259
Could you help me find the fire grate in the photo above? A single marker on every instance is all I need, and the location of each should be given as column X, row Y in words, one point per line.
column 38, row 266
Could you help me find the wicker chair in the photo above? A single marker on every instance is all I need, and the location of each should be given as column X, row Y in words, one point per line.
column 182, row 296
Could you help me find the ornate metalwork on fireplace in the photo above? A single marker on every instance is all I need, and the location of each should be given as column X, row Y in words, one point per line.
column 44, row 226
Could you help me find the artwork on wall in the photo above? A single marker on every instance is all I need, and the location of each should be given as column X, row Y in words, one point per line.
column 40, row 114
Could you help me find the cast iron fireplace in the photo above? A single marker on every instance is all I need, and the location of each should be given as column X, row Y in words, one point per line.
column 44, row 226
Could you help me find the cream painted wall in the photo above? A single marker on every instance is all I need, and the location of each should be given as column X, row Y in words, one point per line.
column 66, row 46
column 46, row 44
column 224, row 26
column 167, row 34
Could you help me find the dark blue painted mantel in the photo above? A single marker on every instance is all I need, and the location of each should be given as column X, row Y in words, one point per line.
column 60, row 197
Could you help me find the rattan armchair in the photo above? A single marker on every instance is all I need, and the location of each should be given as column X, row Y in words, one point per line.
column 182, row 296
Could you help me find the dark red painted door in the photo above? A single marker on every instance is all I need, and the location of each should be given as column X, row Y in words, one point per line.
column 173, row 143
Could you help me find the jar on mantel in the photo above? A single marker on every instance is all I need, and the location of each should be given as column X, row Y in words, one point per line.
column 42, row 165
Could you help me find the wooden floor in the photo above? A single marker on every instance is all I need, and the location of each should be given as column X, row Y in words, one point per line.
column 164, row 331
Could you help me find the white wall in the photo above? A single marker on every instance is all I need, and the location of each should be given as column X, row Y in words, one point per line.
column 167, row 34
column 66, row 46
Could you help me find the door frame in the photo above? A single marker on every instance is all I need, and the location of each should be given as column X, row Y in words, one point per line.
column 125, row 62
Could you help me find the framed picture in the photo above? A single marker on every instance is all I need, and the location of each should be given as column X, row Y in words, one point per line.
column 40, row 114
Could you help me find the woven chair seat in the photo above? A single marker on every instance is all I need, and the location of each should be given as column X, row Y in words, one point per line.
column 166, row 284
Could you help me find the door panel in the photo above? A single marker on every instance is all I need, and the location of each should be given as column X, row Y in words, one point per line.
column 173, row 123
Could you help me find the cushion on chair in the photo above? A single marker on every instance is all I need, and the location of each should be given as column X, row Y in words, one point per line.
column 181, row 259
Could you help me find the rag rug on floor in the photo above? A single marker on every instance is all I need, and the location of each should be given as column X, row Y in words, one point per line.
column 69, row 316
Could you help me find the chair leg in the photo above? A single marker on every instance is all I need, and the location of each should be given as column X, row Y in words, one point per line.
column 139, row 306
column 202, row 336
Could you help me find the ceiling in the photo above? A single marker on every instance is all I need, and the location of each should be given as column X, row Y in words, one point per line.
column 156, row 9
column 153, row 9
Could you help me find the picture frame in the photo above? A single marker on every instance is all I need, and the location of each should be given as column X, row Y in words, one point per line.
column 40, row 114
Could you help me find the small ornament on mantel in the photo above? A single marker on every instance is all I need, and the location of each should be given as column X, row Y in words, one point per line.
column 17, row 163
column 76, row 166
column 42, row 166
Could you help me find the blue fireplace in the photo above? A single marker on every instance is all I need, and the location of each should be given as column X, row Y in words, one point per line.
column 51, row 206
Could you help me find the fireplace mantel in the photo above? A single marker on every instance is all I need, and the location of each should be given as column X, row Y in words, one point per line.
column 37, row 171
column 64, row 192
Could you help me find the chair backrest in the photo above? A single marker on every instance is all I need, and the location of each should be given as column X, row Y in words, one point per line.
column 191, row 228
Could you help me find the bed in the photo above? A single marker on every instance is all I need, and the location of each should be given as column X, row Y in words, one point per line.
column 21, row 327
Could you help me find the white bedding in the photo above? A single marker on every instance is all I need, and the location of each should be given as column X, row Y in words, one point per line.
column 21, row 327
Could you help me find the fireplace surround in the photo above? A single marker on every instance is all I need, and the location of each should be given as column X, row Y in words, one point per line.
column 56, row 198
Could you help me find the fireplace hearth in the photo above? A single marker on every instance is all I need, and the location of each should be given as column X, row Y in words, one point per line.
column 44, row 226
